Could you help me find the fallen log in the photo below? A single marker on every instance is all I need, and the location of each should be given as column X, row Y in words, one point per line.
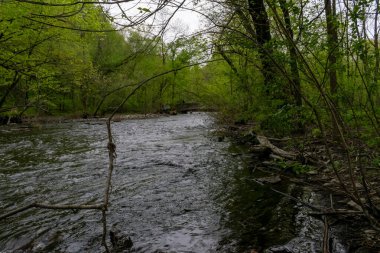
column 264, row 142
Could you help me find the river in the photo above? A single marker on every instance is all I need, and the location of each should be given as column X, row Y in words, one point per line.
column 175, row 189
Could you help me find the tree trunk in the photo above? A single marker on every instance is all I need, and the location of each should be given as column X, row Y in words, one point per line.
column 376, row 45
column 15, row 80
column 262, row 29
column 332, row 41
column 296, row 87
column 164, row 80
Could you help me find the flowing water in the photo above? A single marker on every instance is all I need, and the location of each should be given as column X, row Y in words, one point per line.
column 175, row 188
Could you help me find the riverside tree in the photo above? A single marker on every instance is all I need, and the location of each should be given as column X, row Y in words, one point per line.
column 321, row 58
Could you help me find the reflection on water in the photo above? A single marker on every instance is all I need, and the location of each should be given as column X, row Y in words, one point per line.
column 175, row 189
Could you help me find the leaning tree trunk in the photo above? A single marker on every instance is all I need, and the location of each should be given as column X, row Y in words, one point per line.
column 263, row 36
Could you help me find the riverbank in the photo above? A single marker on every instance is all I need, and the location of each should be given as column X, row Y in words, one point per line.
column 342, row 219
column 77, row 118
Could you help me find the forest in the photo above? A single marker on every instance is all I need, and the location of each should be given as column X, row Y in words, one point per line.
column 303, row 71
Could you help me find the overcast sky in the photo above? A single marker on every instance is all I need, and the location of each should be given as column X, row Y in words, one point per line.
column 183, row 22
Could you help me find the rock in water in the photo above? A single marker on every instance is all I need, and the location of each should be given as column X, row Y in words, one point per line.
column 119, row 240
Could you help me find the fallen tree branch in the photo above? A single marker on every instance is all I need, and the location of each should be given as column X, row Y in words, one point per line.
column 275, row 150
column 338, row 212
column 279, row 139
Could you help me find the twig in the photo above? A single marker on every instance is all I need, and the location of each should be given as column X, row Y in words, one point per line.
column 292, row 198
column 104, row 236
column 338, row 212
column 111, row 156
column 326, row 236
column 279, row 139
